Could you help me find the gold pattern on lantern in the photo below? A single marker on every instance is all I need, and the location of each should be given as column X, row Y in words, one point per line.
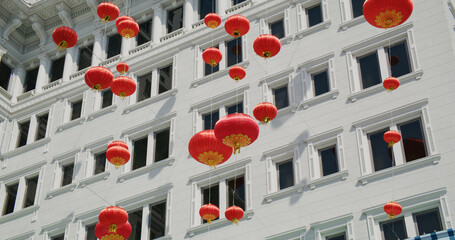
column 388, row 18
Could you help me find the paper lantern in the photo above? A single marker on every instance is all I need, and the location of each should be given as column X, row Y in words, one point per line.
column 212, row 20
column 236, row 130
column 64, row 37
column 107, row 11
column 234, row 214
column 206, row 149
column 392, row 209
column 212, row 56
column 209, row 212
column 117, row 143
column 265, row 112
column 123, row 86
column 122, row 18
column 387, row 13
column 237, row 25
column 391, row 137
column 267, row 45
column 237, row 72
column 128, row 28
column 113, row 217
column 122, row 233
column 122, row 68
column 391, row 83
column 117, row 153
column 98, row 77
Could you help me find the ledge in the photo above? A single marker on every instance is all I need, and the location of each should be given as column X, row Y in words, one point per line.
column 358, row 20
column 23, row 171
column 26, row 95
column 221, row 171
column 102, row 112
column 79, row 73
column 298, row 189
column 286, row 110
column 166, row 162
column 287, row 39
column 71, row 124
column 216, row 75
column 139, row 48
column 434, row 159
column 59, row 191
column 198, row 24
column 146, row 197
column 149, row 126
column 343, row 175
column 53, row 84
column 90, row 215
column 239, row 7
column 150, row 100
column 318, row 99
column 18, row 214
column 219, row 223
column 5, row 93
column 110, row 61
column 26, row 235
column 316, row 28
column 290, row 234
column 27, row 148
column 93, row 179
column 172, row 36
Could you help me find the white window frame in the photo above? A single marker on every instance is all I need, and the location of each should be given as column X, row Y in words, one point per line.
column 275, row 80
column 32, row 129
column 146, row 17
column 89, row 151
column 72, row 156
column 265, row 21
column 334, row 226
column 347, row 15
column 302, row 18
column 97, row 109
column 84, row 44
column 56, row 228
column 84, row 219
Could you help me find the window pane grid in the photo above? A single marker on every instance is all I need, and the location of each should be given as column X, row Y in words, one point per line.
column 281, row 97
column 162, row 145
column 106, row 96
column 234, row 51
column 114, row 45
column 30, row 79
column 23, row 133
column 285, row 174
column 237, row 199
column 413, row 140
column 85, row 57
column 165, row 83
column 11, row 194
column 140, row 153
column 76, row 110
column 30, row 193
column 144, row 87
column 206, row 7
column 382, row 155
column 314, row 15
column 321, row 83
column 369, row 69
column 428, row 222
column 158, row 220
column 135, row 219
column 145, row 32
column 57, row 69
column 329, row 160
column 210, row 119
column 402, row 65
column 42, row 125
column 67, row 177
column 211, row 195
column 277, row 28
column 175, row 19
column 100, row 163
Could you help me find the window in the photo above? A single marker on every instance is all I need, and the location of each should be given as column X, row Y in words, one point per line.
column 57, row 69
column 135, row 219
column 145, row 32
column 59, row 237
column 174, row 19
column 281, row 96
column 208, row 69
column 277, row 28
column 381, row 153
column 211, row 195
column 76, row 109
column 314, row 15
column 162, row 145
column 394, row 229
column 85, row 57
column 139, row 153
column 42, row 126
column 100, row 162
column 210, row 119
column 357, row 8
column 206, row 7
column 157, row 220
column 237, row 199
column 114, row 46
column 235, row 2
column 165, row 83
column 329, row 160
column 285, row 172
column 401, row 66
column 337, row 237
column 321, row 83
column 369, row 70
column 106, row 97
column 11, row 194
column 90, row 232
column 30, row 191
column 67, row 176
column 23, row 133
column 236, row 108
column 234, row 51
column 428, row 221
column 5, row 75
column 144, row 87
column 412, row 140
column 30, row 79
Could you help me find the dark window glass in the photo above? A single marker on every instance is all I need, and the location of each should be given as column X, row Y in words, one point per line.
column 394, row 229
column 42, row 125
column 114, row 46
column 236, row 108
column 106, row 96
column 211, row 195
column 162, row 145
column 235, row 2
column 210, row 119
column 85, row 57
column 23, row 133
column 412, row 140
column 369, row 68
column 67, row 177
column 403, row 66
column 144, row 87
column 285, row 174
column 281, row 97
column 239, row 198
column 234, row 51
column 321, row 83
column 139, row 153
column 90, row 232
column 206, row 7
column 428, row 222
column 158, row 220
column 208, row 69
column 30, row 79
column 76, row 109
column 277, row 28
column 135, row 219
column 11, row 194
column 165, row 74
column 30, row 193
column 145, row 32
column 329, row 160
column 59, row 237
column 5, row 74
column 175, row 19
column 382, row 154
column 337, row 237
column 100, row 162
column 57, row 69
column 357, row 8
column 314, row 15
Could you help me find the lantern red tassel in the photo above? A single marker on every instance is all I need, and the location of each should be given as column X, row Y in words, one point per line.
column 236, row 130
column 128, row 28
column 267, row 45
column 391, row 83
column 392, row 209
column 209, row 212
column 107, row 11
column 117, row 153
column 212, row 56
column 206, row 149
column 237, row 25
column 123, row 86
column 387, row 13
column 234, row 214
column 64, row 37
column 265, row 112
column 98, row 78
column 212, row 20
column 122, row 68
column 113, row 218
column 122, row 233
column 391, row 137
column 121, row 19
column 237, row 72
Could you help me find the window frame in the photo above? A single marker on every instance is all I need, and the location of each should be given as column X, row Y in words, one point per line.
column 106, row 49
column 381, row 224
column 9, row 85
column 266, row 21
column 303, row 27
column 414, row 216
column 145, row 19
column 332, row 227
column 90, row 150
column 85, row 45
column 166, row 15
column 269, row 83
column 24, row 90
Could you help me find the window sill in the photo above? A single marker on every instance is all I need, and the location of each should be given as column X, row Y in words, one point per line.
column 166, row 162
column 316, row 100
column 316, row 28
column 352, row 22
column 150, row 100
column 102, row 112
column 198, row 24
column 71, row 124
column 79, row 73
column 5, row 93
column 286, row 110
column 416, row 75
column 59, row 191
column 216, row 224
column 26, row 95
column 173, row 35
column 53, row 84
column 110, row 61
column 239, row 6
column 140, row 48
column 343, row 175
column 286, row 40
column 27, row 147
column 93, row 179
column 19, row 214
column 216, row 75
column 284, row 193
column 433, row 160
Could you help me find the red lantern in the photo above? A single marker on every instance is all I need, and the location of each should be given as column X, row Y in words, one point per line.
column 265, row 112
column 123, row 86
column 64, row 37
column 117, row 143
column 122, row 68
column 234, row 214
column 107, row 11
column 237, row 25
column 117, row 153
column 391, row 137
column 206, row 149
column 212, row 56
column 387, row 13
column 237, row 72
column 128, row 28
column 113, row 218
column 236, row 130
column 121, row 19
column 267, row 45
column 212, row 20
column 98, row 78
column 392, row 209
column 209, row 212
column 391, row 83
column 123, row 232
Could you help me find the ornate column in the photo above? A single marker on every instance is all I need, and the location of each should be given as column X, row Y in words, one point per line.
column 188, row 13
column 157, row 22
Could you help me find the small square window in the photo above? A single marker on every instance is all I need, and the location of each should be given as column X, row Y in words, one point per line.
column 369, row 69
column 281, row 96
column 394, row 229
column 236, row 108
column 211, row 195
column 139, row 153
column 100, row 162
column 57, row 69
column 30, row 191
column 76, row 109
column 277, row 29
column 329, row 160
column 321, row 83
column 399, row 59
column 90, row 232
column 5, row 74
column 165, row 83
column 114, row 46
column 85, row 57
column 106, row 96
column 67, row 176
column 412, row 140
column 162, row 145
column 144, row 87
column 10, row 201
column 337, row 237
column 314, row 15
column 381, row 153
column 237, row 198
column 175, row 19
column 210, row 119
column 42, row 126
column 234, row 51
column 428, row 221
column 135, row 219
column 285, row 172
column 59, row 237
column 206, row 7
column 357, row 8
column 145, row 32
column 30, row 79
column 23, row 133
column 158, row 220
column 208, row 69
